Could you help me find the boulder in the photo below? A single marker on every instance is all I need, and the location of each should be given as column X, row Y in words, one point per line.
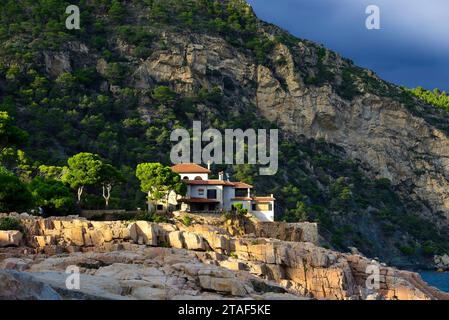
column 10, row 238
column 176, row 239
column 143, row 232
column 441, row 262
column 221, row 281
column 16, row 285
column 17, row 264
column 194, row 242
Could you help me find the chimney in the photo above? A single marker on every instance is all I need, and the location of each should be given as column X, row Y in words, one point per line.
column 208, row 165
column 220, row 176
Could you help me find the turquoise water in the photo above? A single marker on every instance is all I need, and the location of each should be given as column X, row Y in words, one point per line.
column 438, row 280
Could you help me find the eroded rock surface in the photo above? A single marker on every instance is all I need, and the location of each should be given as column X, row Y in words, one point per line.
column 131, row 260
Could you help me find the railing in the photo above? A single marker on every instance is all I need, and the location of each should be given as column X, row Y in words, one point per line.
column 205, row 212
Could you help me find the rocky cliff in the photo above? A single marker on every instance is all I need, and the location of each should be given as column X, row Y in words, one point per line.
column 143, row 260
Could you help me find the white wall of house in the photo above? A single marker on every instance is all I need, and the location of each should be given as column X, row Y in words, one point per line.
column 264, row 215
column 200, row 191
column 228, row 194
column 166, row 205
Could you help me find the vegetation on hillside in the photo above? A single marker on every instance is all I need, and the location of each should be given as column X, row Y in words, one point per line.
column 436, row 97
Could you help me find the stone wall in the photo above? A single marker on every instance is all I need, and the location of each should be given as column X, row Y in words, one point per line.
column 297, row 232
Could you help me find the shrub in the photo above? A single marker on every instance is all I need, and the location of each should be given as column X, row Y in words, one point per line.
column 9, row 223
column 187, row 220
column 14, row 195
column 407, row 250
column 164, row 94
column 142, row 52
column 239, row 210
column 151, row 217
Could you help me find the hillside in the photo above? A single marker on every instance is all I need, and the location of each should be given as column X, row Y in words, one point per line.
column 363, row 157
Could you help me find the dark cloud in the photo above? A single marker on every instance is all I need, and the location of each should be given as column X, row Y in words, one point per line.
column 411, row 49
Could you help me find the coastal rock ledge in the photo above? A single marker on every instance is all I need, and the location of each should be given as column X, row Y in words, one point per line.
column 145, row 260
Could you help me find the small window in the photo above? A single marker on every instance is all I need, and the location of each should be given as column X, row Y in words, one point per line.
column 270, row 207
column 253, row 207
column 201, row 192
column 160, row 207
column 241, row 193
column 211, row 194
column 198, row 178
column 185, row 178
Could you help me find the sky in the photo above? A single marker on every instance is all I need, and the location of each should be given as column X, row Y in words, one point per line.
column 411, row 48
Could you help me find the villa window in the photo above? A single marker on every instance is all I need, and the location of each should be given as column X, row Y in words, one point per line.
column 241, row 193
column 160, row 207
column 253, row 207
column 270, row 207
column 198, row 178
column 185, row 178
column 211, row 194
column 201, row 192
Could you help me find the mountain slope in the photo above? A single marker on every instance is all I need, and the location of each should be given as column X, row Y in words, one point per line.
column 359, row 155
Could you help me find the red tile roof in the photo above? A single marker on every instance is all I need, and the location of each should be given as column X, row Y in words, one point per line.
column 189, row 168
column 257, row 199
column 242, row 185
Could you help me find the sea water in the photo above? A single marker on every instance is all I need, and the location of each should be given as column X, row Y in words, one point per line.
column 438, row 280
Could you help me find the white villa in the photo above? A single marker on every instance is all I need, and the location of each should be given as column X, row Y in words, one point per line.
column 210, row 195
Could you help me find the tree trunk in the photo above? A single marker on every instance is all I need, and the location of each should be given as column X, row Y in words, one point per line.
column 107, row 194
column 80, row 192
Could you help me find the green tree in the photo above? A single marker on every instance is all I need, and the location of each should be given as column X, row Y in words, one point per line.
column 52, row 172
column 116, row 73
column 297, row 214
column 158, row 181
column 164, row 95
column 84, row 169
column 14, row 195
column 110, row 176
column 117, row 11
column 10, row 135
column 52, row 196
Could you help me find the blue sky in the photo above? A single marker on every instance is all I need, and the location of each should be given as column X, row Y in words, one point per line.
column 411, row 48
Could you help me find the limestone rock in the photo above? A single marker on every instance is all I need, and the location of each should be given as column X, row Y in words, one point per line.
column 22, row 286
column 194, row 242
column 176, row 239
column 10, row 238
column 57, row 63
column 144, row 232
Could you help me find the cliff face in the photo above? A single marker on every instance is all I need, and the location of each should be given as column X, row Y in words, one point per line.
column 143, row 260
column 379, row 131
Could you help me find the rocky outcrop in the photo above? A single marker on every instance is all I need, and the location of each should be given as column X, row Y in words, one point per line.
column 10, row 238
column 140, row 272
column 16, row 285
column 380, row 132
column 297, row 232
column 299, row 268
column 57, row 63
column 441, row 262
